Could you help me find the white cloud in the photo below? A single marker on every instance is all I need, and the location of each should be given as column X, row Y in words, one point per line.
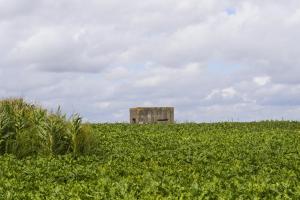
column 228, row 92
column 102, row 105
column 262, row 80
column 101, row 57
column 151, row 81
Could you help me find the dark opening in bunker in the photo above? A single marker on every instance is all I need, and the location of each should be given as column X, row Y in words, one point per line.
column 134, row 120
column 162, row 120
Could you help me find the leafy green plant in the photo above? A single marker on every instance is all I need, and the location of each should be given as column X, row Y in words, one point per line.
column 180, row 161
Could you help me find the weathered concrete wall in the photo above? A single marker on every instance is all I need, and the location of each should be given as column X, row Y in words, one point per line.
column 145, row 115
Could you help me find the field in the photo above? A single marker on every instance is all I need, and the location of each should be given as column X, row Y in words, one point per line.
column 182, row 161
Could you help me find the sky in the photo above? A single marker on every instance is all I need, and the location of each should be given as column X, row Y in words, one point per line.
column 213, row 60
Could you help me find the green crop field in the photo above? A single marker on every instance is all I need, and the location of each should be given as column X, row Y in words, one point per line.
column 182, row 161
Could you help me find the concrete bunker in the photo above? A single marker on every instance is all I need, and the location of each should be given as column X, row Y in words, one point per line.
column 150, row 115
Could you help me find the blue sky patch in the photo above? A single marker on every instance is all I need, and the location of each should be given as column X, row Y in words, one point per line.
column 231, row 11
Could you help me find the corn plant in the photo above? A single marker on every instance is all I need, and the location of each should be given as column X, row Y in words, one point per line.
column 4, row 122
column 75, row 132
column 56, row 135
column 26, row 129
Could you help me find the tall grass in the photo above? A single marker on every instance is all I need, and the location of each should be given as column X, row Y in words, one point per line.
column 27, row 129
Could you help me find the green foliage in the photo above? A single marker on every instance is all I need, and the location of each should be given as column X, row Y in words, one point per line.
column 180, row 161
column 27, row 130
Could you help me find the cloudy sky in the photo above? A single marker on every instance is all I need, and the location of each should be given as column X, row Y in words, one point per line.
column 213, row 60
